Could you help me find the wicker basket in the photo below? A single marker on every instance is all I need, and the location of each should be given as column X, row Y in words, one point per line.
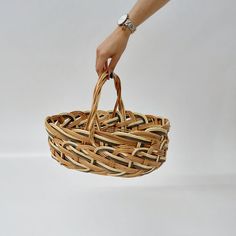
column 116, row 142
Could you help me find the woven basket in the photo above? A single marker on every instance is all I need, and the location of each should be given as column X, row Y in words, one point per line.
column 116, row 142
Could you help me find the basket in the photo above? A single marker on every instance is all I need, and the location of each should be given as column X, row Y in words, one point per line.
column 116, row 142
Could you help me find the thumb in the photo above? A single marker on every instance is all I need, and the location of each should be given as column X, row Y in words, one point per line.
column 113, row 63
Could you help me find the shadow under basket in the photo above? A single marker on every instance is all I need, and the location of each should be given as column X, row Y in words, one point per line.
column 115, row 142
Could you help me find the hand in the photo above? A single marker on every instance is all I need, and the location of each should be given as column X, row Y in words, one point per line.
column 112, row 47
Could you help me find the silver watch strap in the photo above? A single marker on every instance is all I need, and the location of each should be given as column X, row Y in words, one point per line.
column 130, row 25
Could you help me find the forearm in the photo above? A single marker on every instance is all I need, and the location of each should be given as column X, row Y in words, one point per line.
column 143, row 9
column 114, row 45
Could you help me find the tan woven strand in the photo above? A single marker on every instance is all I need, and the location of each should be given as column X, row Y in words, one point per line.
column 115, row 142
column 96, row 97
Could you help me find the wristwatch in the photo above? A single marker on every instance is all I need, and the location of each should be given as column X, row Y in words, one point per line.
column 124, row 21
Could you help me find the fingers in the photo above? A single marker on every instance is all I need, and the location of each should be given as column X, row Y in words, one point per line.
column 113, row 63
column 105, row 66
column 102, row 63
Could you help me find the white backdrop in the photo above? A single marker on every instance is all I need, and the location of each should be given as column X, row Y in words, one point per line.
column 180, row 63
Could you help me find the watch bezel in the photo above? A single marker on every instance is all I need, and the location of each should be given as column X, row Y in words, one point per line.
column 123, row 19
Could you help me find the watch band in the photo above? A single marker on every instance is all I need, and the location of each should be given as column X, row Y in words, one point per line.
column 129, row 24
column 125, row 22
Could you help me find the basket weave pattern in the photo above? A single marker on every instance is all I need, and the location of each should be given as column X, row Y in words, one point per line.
column 116, row 142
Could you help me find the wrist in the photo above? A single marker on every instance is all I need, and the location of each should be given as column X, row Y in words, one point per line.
column 123, row 30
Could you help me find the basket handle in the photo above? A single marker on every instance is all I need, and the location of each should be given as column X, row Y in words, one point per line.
column 96, row 96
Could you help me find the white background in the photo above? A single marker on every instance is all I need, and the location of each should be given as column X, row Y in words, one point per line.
column 180, row 63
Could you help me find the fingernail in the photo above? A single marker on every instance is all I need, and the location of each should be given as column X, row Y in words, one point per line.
column 111, row 74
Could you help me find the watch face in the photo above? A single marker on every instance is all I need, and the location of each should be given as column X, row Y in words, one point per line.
column 122, row 19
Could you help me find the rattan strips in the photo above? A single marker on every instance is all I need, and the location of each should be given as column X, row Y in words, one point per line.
column 115, row 142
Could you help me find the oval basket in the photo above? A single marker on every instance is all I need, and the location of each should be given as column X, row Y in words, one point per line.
column 115, row 142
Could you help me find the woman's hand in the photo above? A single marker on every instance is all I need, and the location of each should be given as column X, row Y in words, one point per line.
column 112, row 47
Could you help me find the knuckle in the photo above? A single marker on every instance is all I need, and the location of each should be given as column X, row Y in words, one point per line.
column 101, row 53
